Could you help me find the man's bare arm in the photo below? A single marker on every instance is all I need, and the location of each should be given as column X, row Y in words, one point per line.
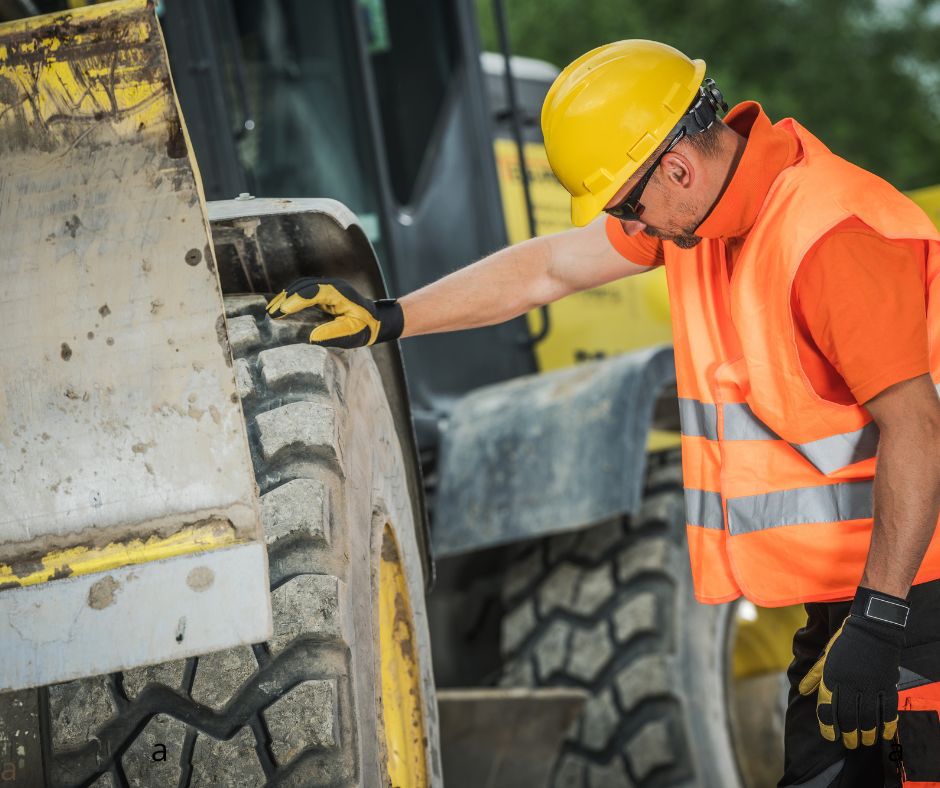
column 907, row 483
column 516, row 279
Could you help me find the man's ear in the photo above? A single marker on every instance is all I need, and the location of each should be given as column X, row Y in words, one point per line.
column 678, row 169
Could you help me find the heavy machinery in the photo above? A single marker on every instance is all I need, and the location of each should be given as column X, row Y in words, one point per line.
column 553, row 571
column 139, row 570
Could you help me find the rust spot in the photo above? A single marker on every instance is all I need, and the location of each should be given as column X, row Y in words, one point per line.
column 389, row 550
column 193, row 257
column 222, row 337
column 66, row 352
column 26, row 566
column 176, row 142
column 234, row 398
column 9, row 93
column 101, row 594
column 200, row 578
column 402, row 623
column 140, row 448
column 210, row 260
column 104, row 310
column 72, row 225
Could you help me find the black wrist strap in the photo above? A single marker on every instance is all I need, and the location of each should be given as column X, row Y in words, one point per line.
column 391, row 319
column 877, row 606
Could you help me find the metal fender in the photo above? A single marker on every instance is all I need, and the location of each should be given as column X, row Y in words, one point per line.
column 548, row 453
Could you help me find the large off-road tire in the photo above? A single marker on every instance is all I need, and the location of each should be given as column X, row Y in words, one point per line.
column 611, row 610
column 305, row 707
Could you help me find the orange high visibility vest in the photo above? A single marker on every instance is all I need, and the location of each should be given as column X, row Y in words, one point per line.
column 778, row 480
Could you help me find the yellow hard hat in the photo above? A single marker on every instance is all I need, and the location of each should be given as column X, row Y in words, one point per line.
column 608, row 111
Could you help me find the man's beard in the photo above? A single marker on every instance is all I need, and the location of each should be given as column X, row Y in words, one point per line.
column 684, row 240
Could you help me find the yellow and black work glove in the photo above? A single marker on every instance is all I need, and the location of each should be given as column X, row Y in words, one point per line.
column 357, row 320
column 856, row 676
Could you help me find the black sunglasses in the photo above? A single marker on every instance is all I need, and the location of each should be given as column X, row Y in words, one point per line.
column 629, row 209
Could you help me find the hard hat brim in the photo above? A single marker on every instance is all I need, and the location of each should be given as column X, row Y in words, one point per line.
column 586, row 208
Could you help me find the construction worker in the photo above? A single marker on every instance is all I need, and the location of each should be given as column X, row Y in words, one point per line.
column 805, row 298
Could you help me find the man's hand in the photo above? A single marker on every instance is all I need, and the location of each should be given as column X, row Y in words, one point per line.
column 856, row 676
column 357, row 321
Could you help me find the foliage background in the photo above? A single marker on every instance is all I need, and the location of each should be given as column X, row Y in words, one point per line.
column 863, row 75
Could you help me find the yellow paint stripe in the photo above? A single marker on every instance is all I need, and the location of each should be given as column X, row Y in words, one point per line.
column 85, row 14
column 402, row 707
column 66, row 84
column 86, row 560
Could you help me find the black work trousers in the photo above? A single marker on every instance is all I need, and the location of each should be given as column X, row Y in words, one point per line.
column 813, row 762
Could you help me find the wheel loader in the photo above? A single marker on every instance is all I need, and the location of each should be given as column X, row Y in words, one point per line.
column 229, row 557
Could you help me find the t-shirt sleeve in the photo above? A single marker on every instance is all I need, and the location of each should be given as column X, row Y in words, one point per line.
column 862, row 300
column 640, row 248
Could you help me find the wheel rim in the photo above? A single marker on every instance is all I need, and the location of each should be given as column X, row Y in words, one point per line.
column 760, row 651
column 401, row 687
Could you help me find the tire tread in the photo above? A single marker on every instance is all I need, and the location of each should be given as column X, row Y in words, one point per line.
column 236, row 715
column 611, row 591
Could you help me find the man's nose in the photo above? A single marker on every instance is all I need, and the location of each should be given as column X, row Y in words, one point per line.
column 633, row 227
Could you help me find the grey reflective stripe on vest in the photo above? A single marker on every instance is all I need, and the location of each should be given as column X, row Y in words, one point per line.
column 837, row 451
column 703, row 508
column 827, row 454
column 742, row 425
column 699, row 419
column 829, row 503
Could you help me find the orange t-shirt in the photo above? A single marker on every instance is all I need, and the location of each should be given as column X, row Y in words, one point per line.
column 859, row 299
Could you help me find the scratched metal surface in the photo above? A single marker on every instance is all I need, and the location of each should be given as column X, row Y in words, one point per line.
column 118, row 412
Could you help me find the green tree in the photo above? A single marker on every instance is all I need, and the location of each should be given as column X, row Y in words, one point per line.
column 863, row 75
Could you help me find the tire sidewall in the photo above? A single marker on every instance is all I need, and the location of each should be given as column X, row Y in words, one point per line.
column 376, row 496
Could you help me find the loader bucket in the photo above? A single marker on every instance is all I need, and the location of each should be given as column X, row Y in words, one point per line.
column 129, row 522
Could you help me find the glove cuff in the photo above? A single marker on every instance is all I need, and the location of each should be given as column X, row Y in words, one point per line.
column 391, row 319
column 876, row 606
